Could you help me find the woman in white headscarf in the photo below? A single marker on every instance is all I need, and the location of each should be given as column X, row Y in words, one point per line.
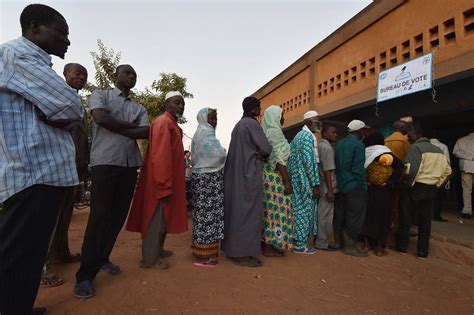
column 278, row 224
column 207, row 185
column 383, row 171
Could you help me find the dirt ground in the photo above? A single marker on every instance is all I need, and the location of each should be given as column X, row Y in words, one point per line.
column 322, row 283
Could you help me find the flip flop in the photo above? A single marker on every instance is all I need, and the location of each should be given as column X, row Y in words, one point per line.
column 206, row 264
column 304, row 251
column 166, row 253
column 144, row 265
column 111, row 269
column 329, row 248
column 50, row 281
column 247, row 261
column 273, row 254
column 84, row 290
column 162, row 264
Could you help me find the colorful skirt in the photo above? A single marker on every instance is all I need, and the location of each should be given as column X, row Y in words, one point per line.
column 278, row 226
column 208, row 213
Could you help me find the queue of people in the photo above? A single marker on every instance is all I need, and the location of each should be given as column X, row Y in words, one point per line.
column 265, row 195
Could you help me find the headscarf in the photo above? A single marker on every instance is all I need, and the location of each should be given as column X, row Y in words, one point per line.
column 272, row 127
column 208, row 153
column 249, row 103
column 374, row 151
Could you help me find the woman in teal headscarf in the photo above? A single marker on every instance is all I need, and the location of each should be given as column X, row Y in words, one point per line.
column 277, row 212
column 207, row 185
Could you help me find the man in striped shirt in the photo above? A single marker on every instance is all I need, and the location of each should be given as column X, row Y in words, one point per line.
column 37, row 156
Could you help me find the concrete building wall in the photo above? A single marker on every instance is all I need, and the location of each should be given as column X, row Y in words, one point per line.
column 293, row 97
column 341, row 71
column 415, row 28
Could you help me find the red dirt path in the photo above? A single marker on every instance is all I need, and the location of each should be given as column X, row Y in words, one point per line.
column 321, row 283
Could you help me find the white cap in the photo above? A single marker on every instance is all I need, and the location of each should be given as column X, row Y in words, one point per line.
column 172, row 93
column 407, row 119
column 356, row 125
column 310, row 114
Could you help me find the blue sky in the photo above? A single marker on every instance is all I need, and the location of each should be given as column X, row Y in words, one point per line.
column 226, row 49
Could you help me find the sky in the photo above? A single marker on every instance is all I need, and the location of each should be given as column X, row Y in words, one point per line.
column 226, row 49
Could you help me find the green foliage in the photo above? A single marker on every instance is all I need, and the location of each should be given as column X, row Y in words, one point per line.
column 105, row 61
column 152, row 98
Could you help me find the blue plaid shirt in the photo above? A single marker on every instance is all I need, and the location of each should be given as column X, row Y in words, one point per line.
column 32, row 152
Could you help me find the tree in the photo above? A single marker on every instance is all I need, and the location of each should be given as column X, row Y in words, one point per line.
column 105, row 61
column 152, row 98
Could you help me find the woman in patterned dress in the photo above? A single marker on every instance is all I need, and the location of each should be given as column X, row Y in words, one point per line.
column 383, row 170
column 304, row 174
column 278, row 225
column 207, row 185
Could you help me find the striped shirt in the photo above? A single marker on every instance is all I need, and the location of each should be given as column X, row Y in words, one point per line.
column 32, row 152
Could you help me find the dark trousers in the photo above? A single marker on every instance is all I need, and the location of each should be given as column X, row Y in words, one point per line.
column 60, row 242
column 111, row 193
column 394, row 216
column 349, row 212
column 377, row 218
column 26, row 224
column 338, row 220
column 413, row 200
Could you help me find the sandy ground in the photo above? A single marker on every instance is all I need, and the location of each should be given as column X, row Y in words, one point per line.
column 321, row 283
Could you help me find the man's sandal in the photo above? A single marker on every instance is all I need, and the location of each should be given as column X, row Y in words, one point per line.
column 50, row 281
column 111, row 269
column 246, row 261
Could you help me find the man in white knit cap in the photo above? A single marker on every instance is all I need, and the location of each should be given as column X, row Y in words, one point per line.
column 352, row 187
column 159, row 203
column 304, row 174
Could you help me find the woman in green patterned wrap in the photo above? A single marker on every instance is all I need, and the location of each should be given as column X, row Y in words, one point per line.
column 278, row 224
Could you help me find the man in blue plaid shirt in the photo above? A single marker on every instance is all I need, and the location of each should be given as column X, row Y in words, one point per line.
column 37, row 155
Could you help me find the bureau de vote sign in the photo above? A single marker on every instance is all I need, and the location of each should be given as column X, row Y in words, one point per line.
column 409, row 77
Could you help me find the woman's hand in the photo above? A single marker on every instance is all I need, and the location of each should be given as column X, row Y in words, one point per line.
column 288, row 189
